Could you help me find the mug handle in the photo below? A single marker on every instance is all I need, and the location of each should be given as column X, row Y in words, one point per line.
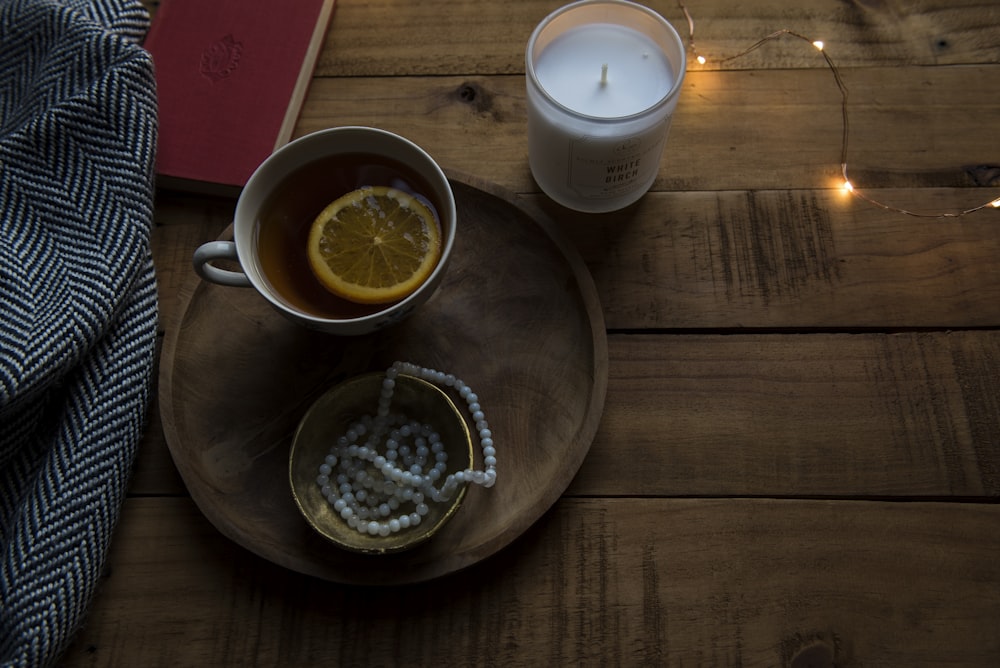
column 205, row 254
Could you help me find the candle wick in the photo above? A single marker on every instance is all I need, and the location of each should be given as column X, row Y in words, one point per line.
column 604, row 74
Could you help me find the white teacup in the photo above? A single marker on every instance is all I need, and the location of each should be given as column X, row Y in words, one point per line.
column 287, row 191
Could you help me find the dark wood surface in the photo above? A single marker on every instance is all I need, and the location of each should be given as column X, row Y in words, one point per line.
column 798, row 461
column 516, row 317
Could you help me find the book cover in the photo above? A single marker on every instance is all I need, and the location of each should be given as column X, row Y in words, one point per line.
column 231, row 77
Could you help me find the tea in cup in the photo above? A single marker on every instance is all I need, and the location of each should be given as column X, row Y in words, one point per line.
column 328, row 175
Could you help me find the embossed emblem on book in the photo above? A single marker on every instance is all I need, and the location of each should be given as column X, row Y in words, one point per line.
column 221, row 59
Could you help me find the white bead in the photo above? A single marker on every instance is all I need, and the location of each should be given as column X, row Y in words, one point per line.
column 400, row 452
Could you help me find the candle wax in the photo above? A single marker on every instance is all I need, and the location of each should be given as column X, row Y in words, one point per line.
column 638, row 73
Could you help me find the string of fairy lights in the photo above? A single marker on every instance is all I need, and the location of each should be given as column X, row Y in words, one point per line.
column 846, row 185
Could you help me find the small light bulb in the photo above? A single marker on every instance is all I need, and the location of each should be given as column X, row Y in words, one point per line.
column 701, row 60
column 847, row 186
column 818, row 44
column 995, row 203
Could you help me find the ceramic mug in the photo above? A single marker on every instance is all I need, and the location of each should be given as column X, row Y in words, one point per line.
column 283, row 196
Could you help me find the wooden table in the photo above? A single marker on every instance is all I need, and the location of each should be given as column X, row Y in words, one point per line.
column 798, row 462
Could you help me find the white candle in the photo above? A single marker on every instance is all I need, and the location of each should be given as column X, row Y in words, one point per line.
column 603, row 77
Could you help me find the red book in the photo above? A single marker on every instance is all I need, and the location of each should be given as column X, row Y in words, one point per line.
column 231, row 77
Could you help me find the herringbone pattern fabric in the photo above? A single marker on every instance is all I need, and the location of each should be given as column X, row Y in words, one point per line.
column 77, row 303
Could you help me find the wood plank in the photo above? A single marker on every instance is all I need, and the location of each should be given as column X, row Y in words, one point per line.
column 660, row 582
column 791, row 259
column 776, row 259
column 831, row 415
column 871, row 415
column 909, row 127
column 464, row 37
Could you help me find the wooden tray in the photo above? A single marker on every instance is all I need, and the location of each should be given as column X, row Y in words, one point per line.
column 517, row 317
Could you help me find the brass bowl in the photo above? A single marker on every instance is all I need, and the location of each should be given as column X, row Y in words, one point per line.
column 329, row 418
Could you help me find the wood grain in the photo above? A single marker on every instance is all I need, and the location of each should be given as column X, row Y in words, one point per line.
column 807, row 415
column 456, row 37
column 733, row 130
column 744, row 259
column 722, row 582
column 791, row 259
column 236, row 378
column 830, row 415
column 798, row 460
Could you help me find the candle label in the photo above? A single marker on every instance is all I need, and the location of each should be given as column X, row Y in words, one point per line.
column 602, row 169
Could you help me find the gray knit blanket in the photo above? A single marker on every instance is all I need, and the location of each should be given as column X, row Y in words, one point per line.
column 77, row 303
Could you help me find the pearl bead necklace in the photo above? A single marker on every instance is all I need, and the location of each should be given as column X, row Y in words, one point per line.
column 382, row 485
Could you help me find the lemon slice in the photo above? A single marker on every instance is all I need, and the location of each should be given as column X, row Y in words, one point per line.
column 374, row 245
